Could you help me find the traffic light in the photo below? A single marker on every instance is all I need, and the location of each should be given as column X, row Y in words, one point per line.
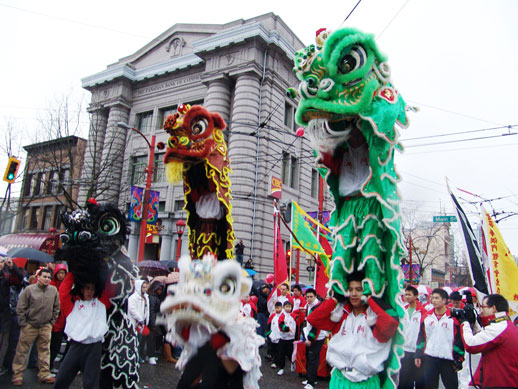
column 11, row 170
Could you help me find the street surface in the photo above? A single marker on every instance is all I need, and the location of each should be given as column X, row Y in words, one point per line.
column 164, row 375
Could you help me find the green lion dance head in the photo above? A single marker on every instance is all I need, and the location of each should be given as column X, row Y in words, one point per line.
column 351, row 111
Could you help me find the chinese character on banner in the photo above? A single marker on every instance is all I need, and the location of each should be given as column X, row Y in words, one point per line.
column 137, row 198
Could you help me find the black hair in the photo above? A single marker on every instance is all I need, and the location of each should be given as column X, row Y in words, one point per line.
column 45, row 270
column 297, row 286
column 498, row 301
column 455, row 296
column 278, row 304
column 287, row 302
column 441, row 292
column 414, row 291
column 311, row 290
column 355, row 276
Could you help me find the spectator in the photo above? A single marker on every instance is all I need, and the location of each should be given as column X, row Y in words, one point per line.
column 246, row 307
column 414, row 313
column 280, row 294
column 86, row 325
column 240, row 250
column 154, row 291
column 249, row 264
column 138, row 311
column 498, row 343
column 60, row 271
column 299, row 308
column 273, row 332
column 37, row 311
column 456, row 300
column 315, row 339
column 262, row 308
column 362, row 335
column 440, row 343
column 10, row 276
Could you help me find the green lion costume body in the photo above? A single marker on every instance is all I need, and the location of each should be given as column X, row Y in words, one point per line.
column 350, row 110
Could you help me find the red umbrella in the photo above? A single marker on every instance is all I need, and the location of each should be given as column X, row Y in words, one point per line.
column 152, row 268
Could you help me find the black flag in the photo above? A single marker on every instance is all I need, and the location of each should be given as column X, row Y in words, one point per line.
column 475, row 259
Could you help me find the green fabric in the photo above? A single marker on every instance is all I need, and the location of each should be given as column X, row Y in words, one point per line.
column 345, row 76
column 338, row 381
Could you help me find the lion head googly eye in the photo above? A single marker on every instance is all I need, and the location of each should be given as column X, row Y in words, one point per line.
column 198, row 126
column 109, row 225
column 228, row 286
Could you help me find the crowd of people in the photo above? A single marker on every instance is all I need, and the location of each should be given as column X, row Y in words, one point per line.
column 344, row 339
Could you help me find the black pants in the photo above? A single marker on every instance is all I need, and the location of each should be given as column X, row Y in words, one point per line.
column 55, row 345
column 80, row 357
column 410, row 374
column 284, row 349
column 435, row 367
column 313, row 360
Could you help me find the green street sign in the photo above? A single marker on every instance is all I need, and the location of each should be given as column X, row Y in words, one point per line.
column 444, row 219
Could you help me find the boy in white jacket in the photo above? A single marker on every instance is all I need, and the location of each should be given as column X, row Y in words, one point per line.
column 85, row 327
column 138, row 311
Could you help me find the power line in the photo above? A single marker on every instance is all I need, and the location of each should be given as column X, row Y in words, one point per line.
column 350, row 13
column 459, row 133
column 393, row 18
column 460, row 140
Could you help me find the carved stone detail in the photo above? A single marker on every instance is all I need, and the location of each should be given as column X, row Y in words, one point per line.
column 175, row 46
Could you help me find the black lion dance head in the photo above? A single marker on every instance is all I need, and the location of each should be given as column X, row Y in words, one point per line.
column 91, row 237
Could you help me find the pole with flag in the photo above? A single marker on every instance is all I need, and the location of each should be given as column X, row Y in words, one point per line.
column 280, row 270
column 503, row 268
column 475, row 263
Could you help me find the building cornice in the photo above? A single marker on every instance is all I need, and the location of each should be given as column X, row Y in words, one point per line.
column 218, row 40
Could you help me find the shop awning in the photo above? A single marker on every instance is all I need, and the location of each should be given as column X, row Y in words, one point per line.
column 47, row 242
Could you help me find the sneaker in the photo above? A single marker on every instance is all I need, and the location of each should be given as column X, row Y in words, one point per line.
column 280, row 372
column 49, row 380
column 305, row 382
column 18, row 382
column 292, row 367
column 3, row 370
column 152, row 361
column 273, row 366
column 308, row 386
column 54, row 370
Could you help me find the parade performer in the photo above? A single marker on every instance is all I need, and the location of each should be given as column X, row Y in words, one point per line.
column 197, row 154
column 351, row 109
column 220, row 346
column 93, row 248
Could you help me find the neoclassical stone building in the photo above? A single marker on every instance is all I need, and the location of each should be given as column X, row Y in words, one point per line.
column 239, row 69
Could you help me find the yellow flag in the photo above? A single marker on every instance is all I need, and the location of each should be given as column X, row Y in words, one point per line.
column 504, row 271
column 301, row 228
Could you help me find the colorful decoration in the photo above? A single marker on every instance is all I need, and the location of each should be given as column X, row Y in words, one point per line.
column 137, row 198
column 202, row 315
column 350, row 109
column 197, row 154
column 93, row 248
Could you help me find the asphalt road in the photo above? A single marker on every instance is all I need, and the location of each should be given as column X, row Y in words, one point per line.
column 165, row 375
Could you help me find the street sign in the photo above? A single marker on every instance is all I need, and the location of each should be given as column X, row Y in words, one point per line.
column 444, row 219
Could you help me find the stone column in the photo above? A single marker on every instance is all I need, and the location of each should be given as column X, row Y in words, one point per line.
column 92, row 159
column 113, row 154
column 242, row 151
column 133, row 241
column 218, row 97
column 167, row 237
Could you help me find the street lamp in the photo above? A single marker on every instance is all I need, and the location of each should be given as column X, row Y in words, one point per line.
column 180, row 228
column 145, row 203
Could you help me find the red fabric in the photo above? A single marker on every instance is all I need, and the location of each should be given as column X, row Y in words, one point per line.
column 280, row 268
column 322, row 278
column 320, row 317
column 499, row 362
column 218, row 340
column 386, row 325
column 143, row 329
column 324, row 370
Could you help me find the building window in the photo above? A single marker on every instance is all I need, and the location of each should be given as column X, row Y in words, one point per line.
column 161, row 206
column 164, row 113
column 63, row 180
column 47, row 214
column 27, row 185
column 178, row 205
column 144, row 121
column 158, row 168
column 58, row 210
column 25, row 219
column 35, row 213
column 289, row 170
column 51, row 183
column 289, row 115
column 314, row 183
column 37, row 184
column 138, row 170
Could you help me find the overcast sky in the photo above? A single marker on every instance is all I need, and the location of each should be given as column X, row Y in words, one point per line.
column 455, row 60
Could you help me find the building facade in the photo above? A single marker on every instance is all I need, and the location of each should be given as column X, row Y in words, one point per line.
column 239, row 69
column 49, row 186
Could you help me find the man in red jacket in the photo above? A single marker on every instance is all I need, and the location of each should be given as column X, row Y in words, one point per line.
column 498, row 343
